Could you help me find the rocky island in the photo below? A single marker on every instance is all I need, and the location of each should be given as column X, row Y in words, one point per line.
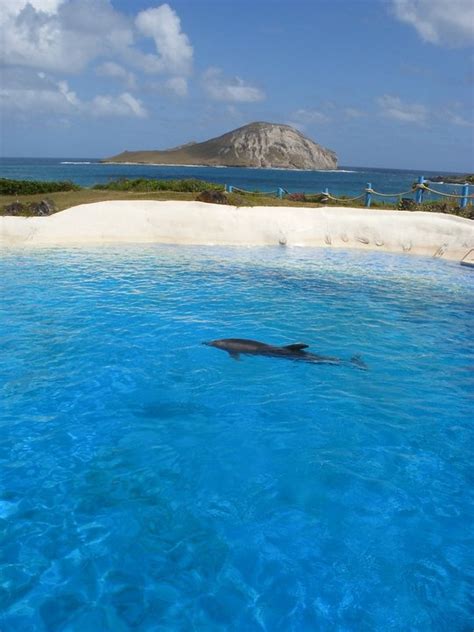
column 468, row 178
column 257, row 145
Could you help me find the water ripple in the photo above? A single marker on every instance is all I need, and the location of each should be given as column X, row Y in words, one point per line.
column 147, row 481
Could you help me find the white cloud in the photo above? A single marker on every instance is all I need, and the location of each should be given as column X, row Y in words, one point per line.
column 26, row 92
column 173, row 46
column 123, row 105
column 353, row 113
column 21, row 101
column 454, row 114
column 230, row 90
column 174, row 86
column 177, row 86
column 457, row 119
column 36, row 93
column 446, row 22
column 116, row 71
column 44, row 40
column 233, row 112
column 394, row 108
column 67, row 35
column 13, row 7
column 307, row 117
column 302, row 118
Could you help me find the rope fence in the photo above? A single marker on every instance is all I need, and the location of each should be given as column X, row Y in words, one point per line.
column 418, row 189
column 390, row 194
column 336, row 199
column 267, row 193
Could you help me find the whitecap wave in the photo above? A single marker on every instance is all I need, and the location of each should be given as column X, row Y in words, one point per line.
column 146, row 164
column 72, row 162
column 335, row 171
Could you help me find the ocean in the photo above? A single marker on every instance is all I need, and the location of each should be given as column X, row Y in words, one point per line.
column 349, row 181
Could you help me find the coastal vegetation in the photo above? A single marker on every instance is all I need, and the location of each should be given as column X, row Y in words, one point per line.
column 24, row 198
column 143, row 185
column 30, row 187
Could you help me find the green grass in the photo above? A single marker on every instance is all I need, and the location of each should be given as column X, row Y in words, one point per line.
column 142, row 189
column 191, row 185
column 68, row 199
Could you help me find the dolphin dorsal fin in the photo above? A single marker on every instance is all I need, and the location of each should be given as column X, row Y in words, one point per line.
column 297, row 346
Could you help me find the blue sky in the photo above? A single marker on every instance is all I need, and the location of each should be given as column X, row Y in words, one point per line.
column 383, row 83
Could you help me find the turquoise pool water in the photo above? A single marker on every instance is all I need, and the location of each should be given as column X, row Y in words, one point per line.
column 148, row 482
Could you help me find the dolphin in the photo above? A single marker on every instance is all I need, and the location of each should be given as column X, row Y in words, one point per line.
column 295, row 351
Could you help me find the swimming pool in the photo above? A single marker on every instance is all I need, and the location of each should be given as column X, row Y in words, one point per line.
column 152, row 483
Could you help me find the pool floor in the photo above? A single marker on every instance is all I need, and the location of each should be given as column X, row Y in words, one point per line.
column 148, row 482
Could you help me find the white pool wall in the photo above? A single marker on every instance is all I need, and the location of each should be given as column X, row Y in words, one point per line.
column 180, row 222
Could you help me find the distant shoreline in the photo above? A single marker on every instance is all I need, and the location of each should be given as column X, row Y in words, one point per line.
column 94, row 160
column 157, row 164
column 167, row 164
column 455, row 178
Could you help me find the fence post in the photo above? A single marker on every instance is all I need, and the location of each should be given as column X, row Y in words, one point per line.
column 465, row 193
column 419, row 191
column 230, row 188
column 280, row 193
column 368, row 195
column 326, row 192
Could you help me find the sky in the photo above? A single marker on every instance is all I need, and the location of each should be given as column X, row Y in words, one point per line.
column 383, row 83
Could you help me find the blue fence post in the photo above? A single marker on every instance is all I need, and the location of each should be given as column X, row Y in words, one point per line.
column 230, row 188
column 326, row 192
column 465, row 193
column 419, row 191
column 368, row 195
column 280, row 192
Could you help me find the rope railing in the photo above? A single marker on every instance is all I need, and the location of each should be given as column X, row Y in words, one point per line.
column 255, row 192
column 389, row 194
column 451, row 195
column 337, row 199
column 418, row 189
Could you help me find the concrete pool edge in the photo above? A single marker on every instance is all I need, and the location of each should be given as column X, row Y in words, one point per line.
column 197, row 223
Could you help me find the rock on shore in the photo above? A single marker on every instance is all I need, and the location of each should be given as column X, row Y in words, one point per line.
column 464, row 179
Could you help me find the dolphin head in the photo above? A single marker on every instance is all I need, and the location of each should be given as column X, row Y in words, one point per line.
column 214, row 343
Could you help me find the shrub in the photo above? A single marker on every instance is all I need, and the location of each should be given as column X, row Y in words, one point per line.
column 213, row 197
column 191, row 185
column 296, row 197
column 30, row 187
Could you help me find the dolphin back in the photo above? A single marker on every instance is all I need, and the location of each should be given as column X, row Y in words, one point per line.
column 297, row 346
column 358, row 362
